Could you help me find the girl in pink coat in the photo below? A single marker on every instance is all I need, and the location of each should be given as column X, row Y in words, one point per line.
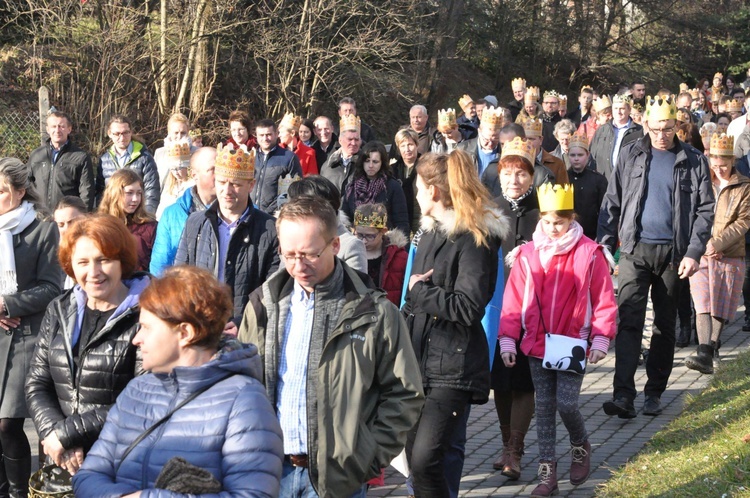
column 559, row 281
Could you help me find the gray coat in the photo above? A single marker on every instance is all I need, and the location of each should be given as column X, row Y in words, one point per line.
column 39, row 282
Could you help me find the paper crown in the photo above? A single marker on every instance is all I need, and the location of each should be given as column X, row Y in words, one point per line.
column 519, row 147
column 518, row 84
column 695, row 93
column 492, row 117
column 350, row 122
column 579, row 140
column 551, row 93
column 718, row 75
column 285, row 181
column 587, row 87
column 378, row 219
column 601, row 103
column 533, row 128
column 290, row 121
column 447, row 120
column 708, row 129
column 734, row 106
column 464, row 101
column 722, row 145
column 637, row 108
column 235, row 163
column 563, row 100
column 178, row 153
column 684, row 87
column 531, row 95
column 661, row 108
column 622, row 99
column 555, row 197
column 196, row 132
column 683, row 116
column 681, row 133
column 715, row 94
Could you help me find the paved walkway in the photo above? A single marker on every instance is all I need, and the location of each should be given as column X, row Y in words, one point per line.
column 614, row 441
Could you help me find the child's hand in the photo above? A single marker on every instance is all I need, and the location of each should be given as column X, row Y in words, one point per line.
column 595, row 355
column 509, row 359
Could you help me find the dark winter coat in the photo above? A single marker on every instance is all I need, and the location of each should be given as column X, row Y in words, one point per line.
column 590, row 188
column 268, row 169
column 523, row 222
column 392, row 198
column 334, row 170
column 548, row 131
column 321, row 154
column 72, row 174
column 515, row 107
column 603, row 144
column 74, row 401
column 408, row 183
column 142, row 162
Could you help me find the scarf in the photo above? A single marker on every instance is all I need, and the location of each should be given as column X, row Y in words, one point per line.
column 12, row 223
column 514, row 202
column 366, row 191
column 548, row 247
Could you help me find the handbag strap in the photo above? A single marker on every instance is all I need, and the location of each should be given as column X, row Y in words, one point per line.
column 162, row 420
column 541, row 313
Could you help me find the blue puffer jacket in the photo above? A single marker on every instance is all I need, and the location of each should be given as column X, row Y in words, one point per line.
column 231, row 430
column 168, row 233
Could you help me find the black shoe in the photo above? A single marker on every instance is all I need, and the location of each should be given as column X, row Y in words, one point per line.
column 703, row 361
column 716, row 358
column 652, row 406
column 683, row 338
column 746, row 326
column 622, row 407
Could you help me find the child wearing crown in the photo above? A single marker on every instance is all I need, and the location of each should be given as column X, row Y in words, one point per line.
column 559, row 284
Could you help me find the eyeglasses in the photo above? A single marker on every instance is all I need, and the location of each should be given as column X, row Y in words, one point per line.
column 663, row 131
column 367, row 236
column 117, row 134
column 304, row 257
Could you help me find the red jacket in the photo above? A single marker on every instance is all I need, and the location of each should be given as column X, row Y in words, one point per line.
column 576, row 296
column 306, row 157
column 393, row 266
column 144, row 234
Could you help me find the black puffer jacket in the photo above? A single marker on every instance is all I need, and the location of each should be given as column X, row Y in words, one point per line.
column 74, row 402
column 72, row 174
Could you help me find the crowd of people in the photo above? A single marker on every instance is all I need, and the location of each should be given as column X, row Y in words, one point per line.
column 294, row 310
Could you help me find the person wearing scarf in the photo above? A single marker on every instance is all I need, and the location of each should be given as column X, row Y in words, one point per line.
column 30, row 277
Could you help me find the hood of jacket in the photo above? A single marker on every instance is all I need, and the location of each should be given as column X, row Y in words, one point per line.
column 396, row 238
column 135, row 285
column 495, row 220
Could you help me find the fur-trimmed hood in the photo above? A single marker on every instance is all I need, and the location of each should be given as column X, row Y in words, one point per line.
column 396, row 238
column 497, row 222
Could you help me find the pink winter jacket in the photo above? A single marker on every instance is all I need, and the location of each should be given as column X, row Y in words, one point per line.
column 576, row 295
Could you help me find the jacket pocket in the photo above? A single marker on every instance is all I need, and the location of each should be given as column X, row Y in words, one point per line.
column 446, row 353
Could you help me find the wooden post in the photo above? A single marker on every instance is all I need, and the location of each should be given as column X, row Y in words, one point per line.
column 43, row 110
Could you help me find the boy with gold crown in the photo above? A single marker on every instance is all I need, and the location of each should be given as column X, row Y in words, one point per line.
column 567, row 276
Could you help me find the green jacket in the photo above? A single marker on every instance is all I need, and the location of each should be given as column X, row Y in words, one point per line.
column 368, row 385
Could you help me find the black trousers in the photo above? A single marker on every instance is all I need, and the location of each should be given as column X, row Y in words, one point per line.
column 648, row 268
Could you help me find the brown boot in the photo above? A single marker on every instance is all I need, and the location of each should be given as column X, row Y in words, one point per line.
column 580, row 464
column 512, row 468
column 547, row 480
column 500, row 462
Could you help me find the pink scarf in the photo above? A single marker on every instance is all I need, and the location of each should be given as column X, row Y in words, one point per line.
column 548, row 247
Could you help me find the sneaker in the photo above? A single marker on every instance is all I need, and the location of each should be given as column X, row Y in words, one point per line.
column 652, row 406
column 622, row 407
column 580, row 464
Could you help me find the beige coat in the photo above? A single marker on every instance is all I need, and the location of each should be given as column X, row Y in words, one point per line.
column 732, row 217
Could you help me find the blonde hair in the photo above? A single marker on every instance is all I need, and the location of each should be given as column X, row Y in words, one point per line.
column 114, row 197
column 457, row 180
column 179, row 117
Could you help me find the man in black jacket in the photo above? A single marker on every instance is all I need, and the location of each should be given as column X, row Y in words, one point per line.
column 340, row 164
column 348, row 107
column 589, row 185
column 61, row 168
column 271, row 163
column 550, row 117
column 583, row 111
column 611, row 137
column 659, row 205
column 518, row 85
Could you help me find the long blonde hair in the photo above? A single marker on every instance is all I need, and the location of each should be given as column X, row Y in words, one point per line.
column 113, row 199
column 456, row 178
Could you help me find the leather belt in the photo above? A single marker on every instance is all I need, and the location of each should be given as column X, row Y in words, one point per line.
column 297, row 460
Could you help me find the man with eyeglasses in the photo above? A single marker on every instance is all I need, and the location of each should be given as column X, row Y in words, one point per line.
column 128, row 153
column 659, row 207
column 611, row 137
column 232, row 238
column 550, row 116
column 338, row 363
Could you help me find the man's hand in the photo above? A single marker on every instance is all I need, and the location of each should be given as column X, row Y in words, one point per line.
column 419, row 278
column 688, row 266
column 230, row 328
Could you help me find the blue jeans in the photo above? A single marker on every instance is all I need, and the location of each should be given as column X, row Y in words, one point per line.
column 295, row 483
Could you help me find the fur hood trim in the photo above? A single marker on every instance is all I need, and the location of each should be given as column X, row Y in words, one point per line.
column 497, row 222
column 396, row 238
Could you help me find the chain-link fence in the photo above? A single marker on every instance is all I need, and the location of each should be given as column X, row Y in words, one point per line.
column 19, row 134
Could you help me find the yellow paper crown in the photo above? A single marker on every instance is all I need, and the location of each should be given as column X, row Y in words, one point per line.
column 722, row 145
column 376, row 220
column 602, row 103
column 464, row 101
column 178, row 153
column 235, row 163
column 708, row 129
column 350, row 122
column 196, row 132
column 695, row 93
column 733, row 106
column 519, row 147
column 622, row 99
column 533, row 128
column 555, row 197
column 290, row 121
column 563, row 100
column 587, row 87
column 661, row 108
column 579, row 140
column 447, row 120
column 684, row 87
column 532, row 94
column 285, row 181
column 518, row 84
column 683, row 116
column 492, row 117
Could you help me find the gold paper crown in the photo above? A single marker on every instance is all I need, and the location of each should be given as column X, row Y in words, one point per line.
column 661, row 108
column 684, row 87
column 563, row 100
column 533, row 128
column 695, row 93
column 708, row 129
column 683, row 116
column 532, row 94
column 464, row 101
column 350, row 122
column 722, row 145
column 285, row 181
column 715, row 94
column 551, row 93
column 492, row 117
column 637, row 108
column 579, row 140
column 586, row 87
column 235, row 163
column 178, row 153
column 734, row 106
column 377, row 220
column 196, row 132
column 518, row 84
column 555, row 197
column 447, row 120
column 622, row 99
column 718, row 75
column 681, row 133
column 519, row 147
column 290, row 121
column 602, row 103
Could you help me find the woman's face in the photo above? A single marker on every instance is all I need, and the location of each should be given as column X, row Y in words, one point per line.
column 181, row 174
column 721, row 166
column 305, row 133
column 373, row 163
column 425, row 197
column 132, row 196
column 177, row 130
column 10, row 198
column 515, row 181
column 99, row 276
column 159, row 342
column 554, row 226
column 722, row 124
column 530, row 109
column 239, row 132
column 730, row 84
column 408, row 150
column 286, row 135
column 372, row 237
